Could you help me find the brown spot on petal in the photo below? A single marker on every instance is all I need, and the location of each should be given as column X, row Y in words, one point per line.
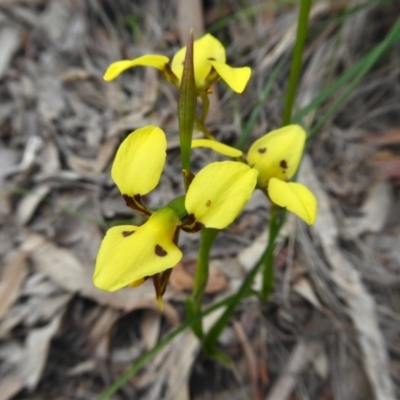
column 211, row 59
column 208, row 203
column 283, row 164
column 160, row 251
column 127, row 233
column 262, row 150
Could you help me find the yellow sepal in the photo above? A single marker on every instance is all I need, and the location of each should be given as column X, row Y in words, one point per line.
column 277, row 154
column 296, row 197
column 139, row 161
column 236, row 78
column 129, row 253
column 218, row 147
column 148, row 60
column 219, row 191
column 138, row 283
column 205, row 49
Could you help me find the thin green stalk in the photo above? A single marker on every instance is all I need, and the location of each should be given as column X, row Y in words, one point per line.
column 268, row 275
column 187, row 109
column 194, row 303
column 360, row 68
column 392, row 36
column 216, row 330
column 208, row 237
column 206, row 105
column 302, row 29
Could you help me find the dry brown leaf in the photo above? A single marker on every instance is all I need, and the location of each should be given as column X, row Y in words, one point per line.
column 28, row 204
column 391, row 136
column 375, row 210
column 181, row 279
column 10, row 386
column 301, row 356
column 150, row 325
column 389, row 163
column 250, row 357
column 67, row 271
column 36, row 349
column 105, row 153
column 10, row 40
column 303, row 288
column 12, row 277
column 361, row 305
column 103, row 324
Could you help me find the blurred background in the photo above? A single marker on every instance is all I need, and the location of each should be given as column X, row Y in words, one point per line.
column 331, row 328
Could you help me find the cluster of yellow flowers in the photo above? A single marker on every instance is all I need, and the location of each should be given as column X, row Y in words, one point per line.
column 130, row 254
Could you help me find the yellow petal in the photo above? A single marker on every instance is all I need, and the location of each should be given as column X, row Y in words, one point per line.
column 219, row 147
column 277, row 154
column 236, row 78
column 296, row 197
column 139, row 161
column 129, row 253
column 149, row 60
column 219, row 191
column 205, row 49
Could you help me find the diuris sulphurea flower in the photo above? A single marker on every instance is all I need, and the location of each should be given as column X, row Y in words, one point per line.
column 209, row 63
column 276, row 156
column 130, row 254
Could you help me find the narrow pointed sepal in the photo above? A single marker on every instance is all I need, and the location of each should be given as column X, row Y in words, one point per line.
column 296, row 197
column 219, row 192
column 218, row 147
column 277, row 154
column 139, row 161
column 148, row 60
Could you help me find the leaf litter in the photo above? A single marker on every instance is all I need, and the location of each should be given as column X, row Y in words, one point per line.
column 60, row 125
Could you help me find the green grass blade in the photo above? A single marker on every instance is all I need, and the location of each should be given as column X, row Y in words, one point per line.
column 392, row 37
column 297, row 60
column 358, row 69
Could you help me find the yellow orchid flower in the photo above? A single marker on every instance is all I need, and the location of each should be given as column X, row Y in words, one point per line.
column 219, row 192
column 209, row 54
column 138, row 164
column 276, row 156
column 209, row 62
column 128, row 254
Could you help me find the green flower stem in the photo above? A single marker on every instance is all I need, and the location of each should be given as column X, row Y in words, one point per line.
column 194, row 303
column 206, row 106
column 268, row 275
column 187, row 109
column 201, row 127
column 302, row 29
column 216, row 330
column 208, row 237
